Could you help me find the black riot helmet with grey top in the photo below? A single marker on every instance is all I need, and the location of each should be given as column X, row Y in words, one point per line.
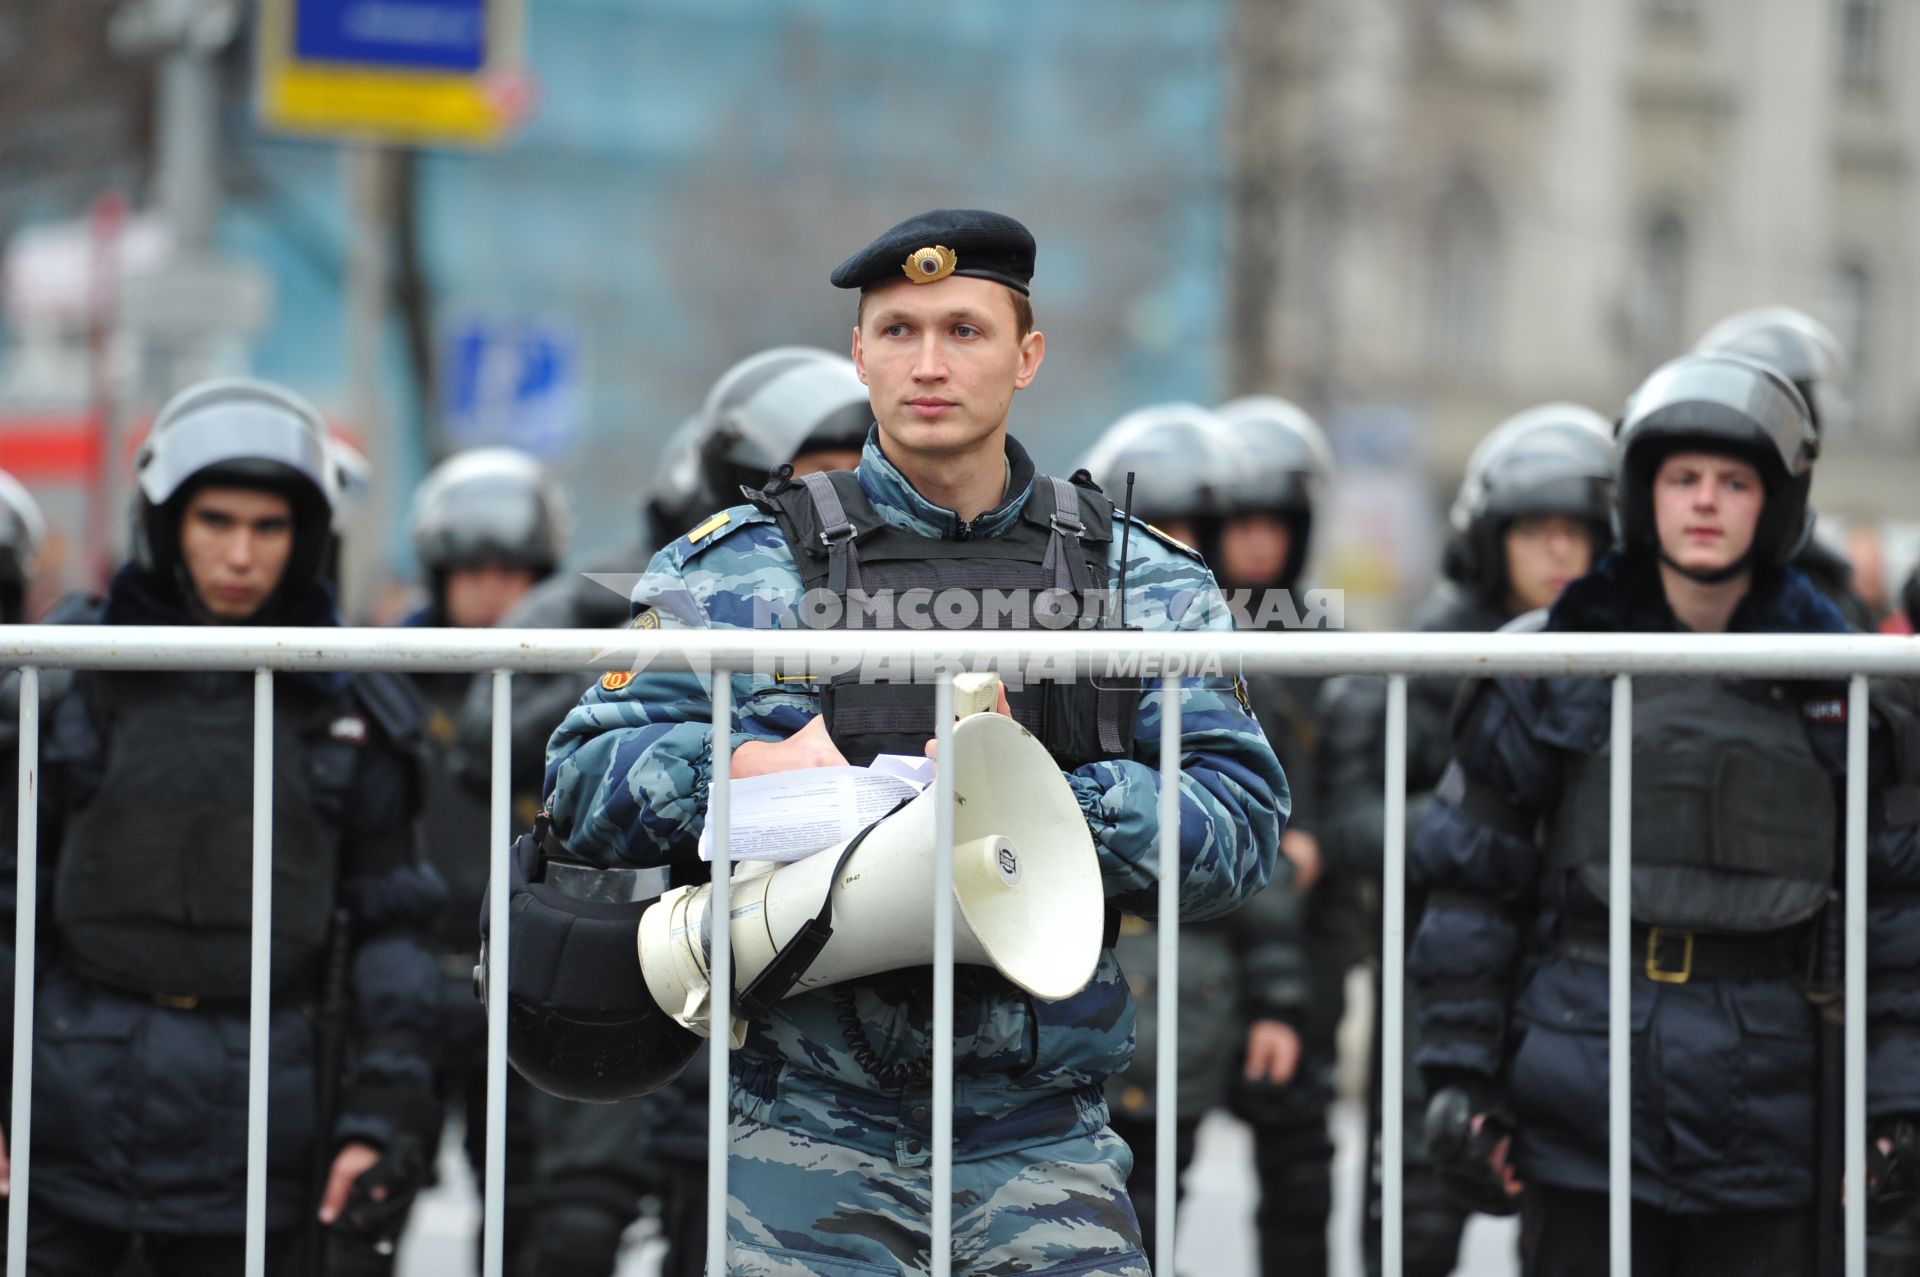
column 234, row 433
column 491, row 506
column 1182, row 460
column 23, row 528
column 777, row 405
column 679, row 494
column 1552, row 459
column 1728, row 405
column 1796, row 345
column 1284, row 466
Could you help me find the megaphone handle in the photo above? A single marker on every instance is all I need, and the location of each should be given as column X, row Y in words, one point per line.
column 975, row 693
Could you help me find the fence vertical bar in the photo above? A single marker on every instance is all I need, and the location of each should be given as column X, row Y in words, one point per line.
column 260, row 982
column 25, row 922
column 720, row 968
column 1167, row 999
column 1620, row 983
column 1393, row 951
column 494, row 1193
column 941, row 1240
column 1855, row 1096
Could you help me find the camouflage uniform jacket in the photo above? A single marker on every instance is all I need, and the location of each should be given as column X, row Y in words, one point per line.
column 627, row 777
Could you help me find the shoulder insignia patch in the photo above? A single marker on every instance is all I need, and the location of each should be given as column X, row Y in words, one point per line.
column 647, row 619
column 614, row 680
column 1168, row 539
column 1241, row 694
column 714, row 530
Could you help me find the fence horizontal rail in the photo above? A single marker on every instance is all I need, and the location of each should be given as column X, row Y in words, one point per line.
column 1154, row 655
column 932, row 654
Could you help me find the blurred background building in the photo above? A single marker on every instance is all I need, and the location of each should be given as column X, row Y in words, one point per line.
column 1450, row 209
column 1413, row 216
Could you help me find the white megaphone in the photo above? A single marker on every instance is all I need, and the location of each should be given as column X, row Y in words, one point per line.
column 1026, row 883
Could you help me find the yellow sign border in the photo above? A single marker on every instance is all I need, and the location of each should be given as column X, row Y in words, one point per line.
column 380, row 105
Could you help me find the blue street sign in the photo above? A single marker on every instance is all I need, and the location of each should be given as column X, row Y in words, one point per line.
column 513, row 383
column 408, row 35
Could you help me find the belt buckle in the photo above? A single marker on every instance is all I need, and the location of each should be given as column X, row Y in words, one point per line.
column 1660, row 974
column 176, row 1001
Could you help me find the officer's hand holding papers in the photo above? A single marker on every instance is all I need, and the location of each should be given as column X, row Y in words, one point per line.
column 815, row 799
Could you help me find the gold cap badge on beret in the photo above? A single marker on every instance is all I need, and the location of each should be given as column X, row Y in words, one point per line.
column 924, row 265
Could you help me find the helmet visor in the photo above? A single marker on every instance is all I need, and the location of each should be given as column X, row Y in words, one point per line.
column 1723, row 400
column 220, row 433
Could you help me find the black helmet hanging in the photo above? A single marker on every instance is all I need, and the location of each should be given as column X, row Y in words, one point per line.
column 491, row 506
column 1722, row 404
column 1181, row 458
column 1284, row 464
column 580, row 1021
column 771, row 407
column 1553, row 459
column 23, row 528
column 1796, row 345
column 239, row 433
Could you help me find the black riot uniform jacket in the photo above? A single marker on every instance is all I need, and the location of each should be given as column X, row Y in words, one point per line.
column 145, row 840
column 564, row 601
column 1735, row 842
column 1352, row 757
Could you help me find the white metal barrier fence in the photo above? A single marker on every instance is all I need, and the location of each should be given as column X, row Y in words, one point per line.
column 1159, row 657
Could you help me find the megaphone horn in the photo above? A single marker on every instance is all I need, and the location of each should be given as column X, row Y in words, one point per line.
column 1026, row 881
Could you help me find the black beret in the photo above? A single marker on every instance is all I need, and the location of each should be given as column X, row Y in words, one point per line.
column 947, row 241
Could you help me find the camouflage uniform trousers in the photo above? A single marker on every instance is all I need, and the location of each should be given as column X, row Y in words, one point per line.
column 801, row 1207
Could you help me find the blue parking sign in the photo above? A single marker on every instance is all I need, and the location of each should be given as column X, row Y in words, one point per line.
column 420, row 35
column 516, row 383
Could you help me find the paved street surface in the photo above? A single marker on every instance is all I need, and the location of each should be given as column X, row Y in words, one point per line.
column 1216, row 1229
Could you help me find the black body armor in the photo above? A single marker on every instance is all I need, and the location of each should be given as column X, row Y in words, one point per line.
column 1734, row 818
column 1053, row 556
column 154, row 889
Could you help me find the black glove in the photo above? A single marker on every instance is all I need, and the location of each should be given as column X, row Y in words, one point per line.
column 1461, row 1155
column 401, row 1170
column 1893, row 1178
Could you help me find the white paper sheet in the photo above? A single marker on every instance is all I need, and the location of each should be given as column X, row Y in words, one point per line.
column 792, row 815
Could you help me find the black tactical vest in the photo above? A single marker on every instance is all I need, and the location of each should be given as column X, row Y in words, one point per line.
column 1734, row 821
column 1055, row 552
column 154, row 889
column 456, row 820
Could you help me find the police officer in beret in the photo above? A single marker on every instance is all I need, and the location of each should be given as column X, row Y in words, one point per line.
column 831, row 1102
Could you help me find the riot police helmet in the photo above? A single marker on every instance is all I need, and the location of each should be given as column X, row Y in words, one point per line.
column 1725, row 404
column 1795, row 344
column 239, row 433
column 23, row 529
column 1551, row 459
column 1285, row 466
column 777, row 405
column 679, row 494
column 1181, row 458
column 491, row 506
